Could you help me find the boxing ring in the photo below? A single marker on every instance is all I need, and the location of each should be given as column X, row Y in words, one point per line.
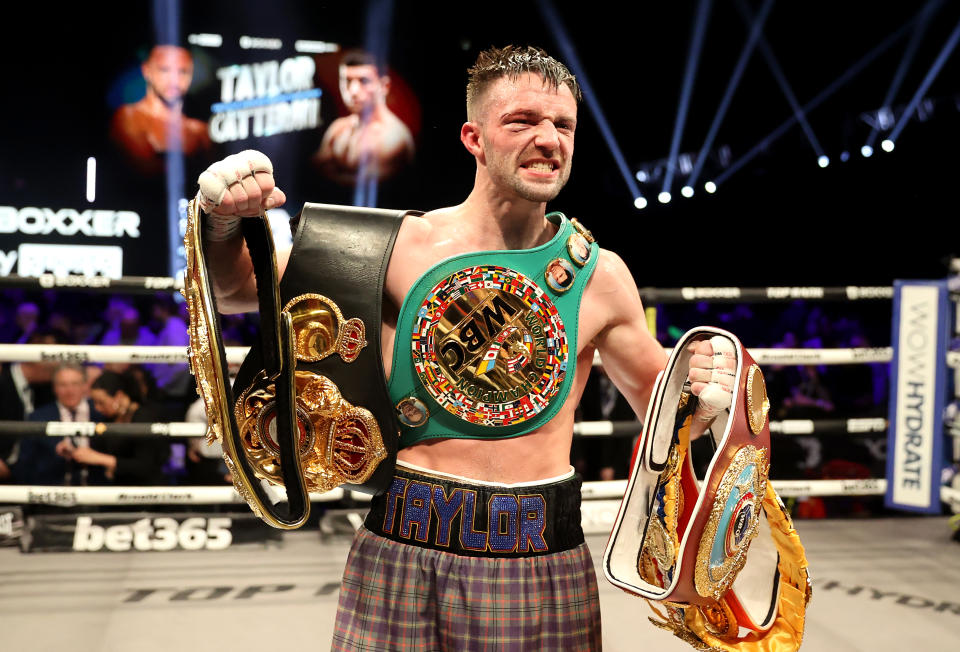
column 874, row 579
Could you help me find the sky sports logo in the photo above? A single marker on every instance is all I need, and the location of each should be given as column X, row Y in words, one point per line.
column 40, row 260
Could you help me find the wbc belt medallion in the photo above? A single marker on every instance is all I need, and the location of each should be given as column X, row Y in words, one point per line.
column 489, row 346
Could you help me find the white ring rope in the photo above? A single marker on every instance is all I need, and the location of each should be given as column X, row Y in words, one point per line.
column 786, row 488
column 150, row 284
column 70, row 496
column 235, row 354
column 186, row 495
column 580, row 428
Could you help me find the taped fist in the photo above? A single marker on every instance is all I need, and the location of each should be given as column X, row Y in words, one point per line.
column 240, row 185
column 713, row 368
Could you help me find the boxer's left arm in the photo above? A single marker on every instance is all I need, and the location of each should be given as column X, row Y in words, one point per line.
column 631, row 356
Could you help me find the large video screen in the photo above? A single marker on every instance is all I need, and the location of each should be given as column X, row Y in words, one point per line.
column 157, row 106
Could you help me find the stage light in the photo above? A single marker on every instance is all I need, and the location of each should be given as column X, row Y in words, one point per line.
column 91, row 179
column 732, row 84
column 867, row 151
column 844, row 156
column 664, row 197
column 836, row 84
column 885, row 115
column 887, row 145
column 686, row 191
column 778, row 74
column 552, row 17
column 640, row 203
column 686, row 91
column 710, row 187
column 823, row 160
column 642, row 176
column 927, row 80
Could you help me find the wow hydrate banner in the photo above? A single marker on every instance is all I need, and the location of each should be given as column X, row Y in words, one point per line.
column 921, row 319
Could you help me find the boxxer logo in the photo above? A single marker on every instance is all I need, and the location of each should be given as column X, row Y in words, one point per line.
column 67, row 221
column 161, row 533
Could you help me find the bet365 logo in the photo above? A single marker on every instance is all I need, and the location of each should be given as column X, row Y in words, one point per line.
column 163, row 533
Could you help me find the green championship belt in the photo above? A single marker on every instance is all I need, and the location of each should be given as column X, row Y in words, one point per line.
column 485, row 339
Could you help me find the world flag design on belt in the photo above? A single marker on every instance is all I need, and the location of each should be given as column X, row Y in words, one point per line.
column 489, row 346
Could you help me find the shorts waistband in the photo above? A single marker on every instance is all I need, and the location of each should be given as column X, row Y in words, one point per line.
column 448, row 514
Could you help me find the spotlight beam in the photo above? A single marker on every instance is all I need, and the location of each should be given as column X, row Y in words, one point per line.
column 927, row 80
column 774, row 65
column 832, row 88
column 376, row 37
column 732, row 85
column 689, row 75
column 907, row 59
column 562, row 38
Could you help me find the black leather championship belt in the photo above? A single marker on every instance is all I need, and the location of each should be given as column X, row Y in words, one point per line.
column 309, row 409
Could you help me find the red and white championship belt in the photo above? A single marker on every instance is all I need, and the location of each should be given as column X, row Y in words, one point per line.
column 719, row 553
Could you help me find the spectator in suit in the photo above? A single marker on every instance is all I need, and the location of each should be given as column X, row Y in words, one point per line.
column 134, row 460
column 38, row 461
column 23, row 386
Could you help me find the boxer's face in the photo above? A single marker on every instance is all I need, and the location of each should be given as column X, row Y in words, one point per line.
column 559, row 274
column 527, row 136
column 360, row 86
column 168, row 72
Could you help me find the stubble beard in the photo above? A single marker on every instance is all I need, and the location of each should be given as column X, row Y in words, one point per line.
column 504, row 174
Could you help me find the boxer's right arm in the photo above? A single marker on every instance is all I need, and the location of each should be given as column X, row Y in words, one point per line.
column 241, row 185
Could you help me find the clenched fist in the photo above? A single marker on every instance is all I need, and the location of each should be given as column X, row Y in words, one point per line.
column 713, row 367
column 240, row 185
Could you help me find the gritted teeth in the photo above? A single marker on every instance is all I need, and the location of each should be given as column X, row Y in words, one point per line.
column 541, row 166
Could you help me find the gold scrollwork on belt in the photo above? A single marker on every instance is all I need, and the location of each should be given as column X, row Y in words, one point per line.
column 758, row 405
column 582, row 230
column 320, row 329
column 339, row 442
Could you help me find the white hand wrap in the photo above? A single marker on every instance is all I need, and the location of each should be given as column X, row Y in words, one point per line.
column 217, row 178
column 214, row 184
column 718, row 393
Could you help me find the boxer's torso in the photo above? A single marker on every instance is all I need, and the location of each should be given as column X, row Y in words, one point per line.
column 379, row 144
column 544, row 452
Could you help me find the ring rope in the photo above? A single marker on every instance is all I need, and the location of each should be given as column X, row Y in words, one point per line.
column 786, row 488
column 127, row 284
column 580, row 429
column 235, row 354
column 188, row 495
column 784, row 427
column 150, row 284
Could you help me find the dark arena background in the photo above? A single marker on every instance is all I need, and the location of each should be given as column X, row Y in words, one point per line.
column 781, row 170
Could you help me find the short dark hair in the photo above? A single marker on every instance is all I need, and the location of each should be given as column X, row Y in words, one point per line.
column 358, row 57
column 511, row 62
column 112, row 382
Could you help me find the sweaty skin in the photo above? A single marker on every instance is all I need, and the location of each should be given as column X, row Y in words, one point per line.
column 156, row 123
column 372, row 139
column 522, row 140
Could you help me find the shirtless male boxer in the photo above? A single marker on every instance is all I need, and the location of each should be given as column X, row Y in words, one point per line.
column 156, row 124
column 372, row 141
column 404, row 589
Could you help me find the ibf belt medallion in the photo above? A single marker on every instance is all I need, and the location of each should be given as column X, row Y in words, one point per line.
column 489, row 346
